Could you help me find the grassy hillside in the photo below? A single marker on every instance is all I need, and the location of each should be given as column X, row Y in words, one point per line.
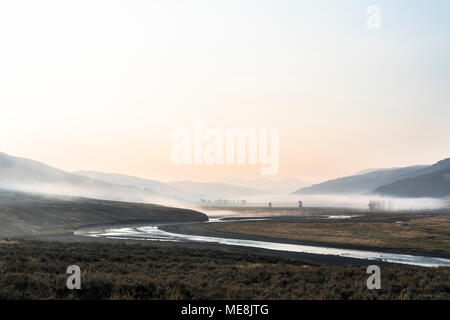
column 23, row 214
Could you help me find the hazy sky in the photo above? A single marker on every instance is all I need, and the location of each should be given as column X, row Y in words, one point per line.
column 102, row 85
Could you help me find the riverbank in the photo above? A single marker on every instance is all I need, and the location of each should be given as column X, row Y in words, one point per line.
column 340, row 253
column 404, row 233
column 201, row 233
column 323, row 260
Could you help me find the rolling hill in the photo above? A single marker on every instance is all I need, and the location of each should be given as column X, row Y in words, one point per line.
column 24, row 214
column 135, row 182
column 32, row 176
column 433, row 182
column 409, row 182
column 181, row 190
column 361, row 183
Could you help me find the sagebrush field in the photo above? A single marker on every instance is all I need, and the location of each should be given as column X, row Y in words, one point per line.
column 36, row 270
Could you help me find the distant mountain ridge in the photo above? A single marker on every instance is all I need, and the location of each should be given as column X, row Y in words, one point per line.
column 33, row 176
column 213, row 189
column 433, row 181
column 27, row 175
column 412, row 182
column 182, row 190
column 360, row 183
column 131, row 181
column 268, row 186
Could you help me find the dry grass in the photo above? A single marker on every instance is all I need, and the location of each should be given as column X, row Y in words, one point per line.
column 7, row 242
column 427, row 233
column 36, row 270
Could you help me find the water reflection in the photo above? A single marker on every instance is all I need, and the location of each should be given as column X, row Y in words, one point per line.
column 155, row 234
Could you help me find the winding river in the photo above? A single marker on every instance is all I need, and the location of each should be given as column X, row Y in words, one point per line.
column 153, row 233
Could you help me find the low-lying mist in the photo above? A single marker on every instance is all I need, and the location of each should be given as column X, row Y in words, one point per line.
column 356, row 201
column 359, row 202
column 278, row 200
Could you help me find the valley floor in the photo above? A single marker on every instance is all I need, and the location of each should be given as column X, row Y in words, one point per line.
column 413, row 233
column 135, row 270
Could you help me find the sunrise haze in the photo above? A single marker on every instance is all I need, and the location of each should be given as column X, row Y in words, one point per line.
column 102, row 85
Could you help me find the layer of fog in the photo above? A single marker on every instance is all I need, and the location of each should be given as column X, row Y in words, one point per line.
column 32, row 176
column 350, row 201
column 359, row 202
column 277, row 200
column 121, row 194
